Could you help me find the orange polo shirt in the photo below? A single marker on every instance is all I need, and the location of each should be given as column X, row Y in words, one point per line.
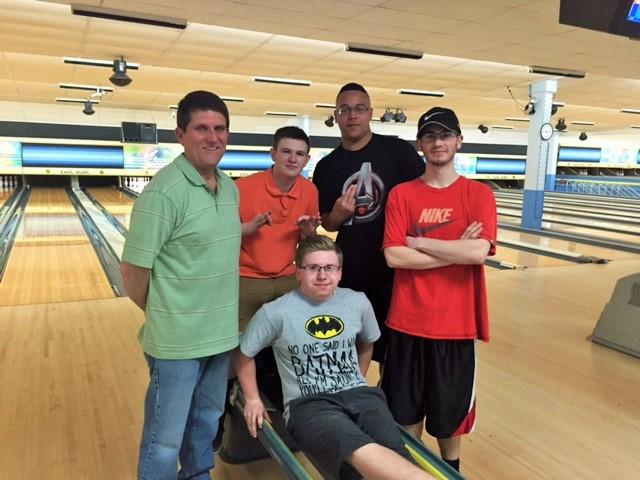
column 270, row 252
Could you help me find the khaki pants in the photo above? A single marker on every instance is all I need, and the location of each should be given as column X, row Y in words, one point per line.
column 255, row 292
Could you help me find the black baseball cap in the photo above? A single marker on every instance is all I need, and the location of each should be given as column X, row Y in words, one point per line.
column 443, row 117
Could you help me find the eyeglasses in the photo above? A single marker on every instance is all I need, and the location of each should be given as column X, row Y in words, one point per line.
column 358, row 109
column 317, row 268
column 432, row 136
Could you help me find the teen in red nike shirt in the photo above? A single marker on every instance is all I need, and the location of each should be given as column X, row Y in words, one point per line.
column 439, row 230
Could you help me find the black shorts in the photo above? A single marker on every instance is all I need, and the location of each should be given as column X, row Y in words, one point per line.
column 330, row 427
column 431, row 378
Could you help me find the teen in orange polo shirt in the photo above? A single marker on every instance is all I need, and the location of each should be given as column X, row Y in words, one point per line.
column 278, row 207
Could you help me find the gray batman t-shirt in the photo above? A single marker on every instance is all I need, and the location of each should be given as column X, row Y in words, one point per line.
column 314, row 342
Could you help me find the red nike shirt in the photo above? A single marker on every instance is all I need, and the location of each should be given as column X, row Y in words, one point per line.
column 447, row 302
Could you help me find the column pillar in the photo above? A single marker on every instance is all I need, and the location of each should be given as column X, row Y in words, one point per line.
column 539, row 150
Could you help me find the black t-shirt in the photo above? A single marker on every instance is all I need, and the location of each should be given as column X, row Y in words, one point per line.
column 376, row 168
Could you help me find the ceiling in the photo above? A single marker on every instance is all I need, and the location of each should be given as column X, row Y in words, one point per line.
column 473, row 50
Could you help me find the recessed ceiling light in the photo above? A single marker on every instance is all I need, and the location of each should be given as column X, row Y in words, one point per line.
column 386, row 51
column 581, row 122
column 97, row 63
column 558, row 104
column 126, row 16
column 232, row 99
column 281, row 114
column 423, row 93
column 502, row 127
column 324, row 105
column 561, row 72
column 283, row 81
column 517, row 119
column 635, row 126
column 75, row 100
column 630, row 110
column 92, row 88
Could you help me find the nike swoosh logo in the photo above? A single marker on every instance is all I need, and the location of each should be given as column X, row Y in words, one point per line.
column 433, row 115
column 430, row 228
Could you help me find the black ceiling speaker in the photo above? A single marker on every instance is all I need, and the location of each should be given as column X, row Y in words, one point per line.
column 120, row 77
column 329, row 121
column 583, row 136
column 88, row 108
column 483, row 128
column 561, row 126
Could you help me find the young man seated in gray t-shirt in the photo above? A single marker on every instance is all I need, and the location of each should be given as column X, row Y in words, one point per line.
column 322, row 337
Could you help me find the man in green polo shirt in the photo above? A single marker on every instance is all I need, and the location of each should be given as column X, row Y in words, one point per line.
column 180, row 265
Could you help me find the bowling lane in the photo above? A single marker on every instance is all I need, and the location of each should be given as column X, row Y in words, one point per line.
column 116, row 202
column 52, row 259
column 630, row 206
column 528, row 259
column 590, row 228
column 558, row 244
column 602, row 213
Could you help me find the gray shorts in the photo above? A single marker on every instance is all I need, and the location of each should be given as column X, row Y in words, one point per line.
column 330, row 427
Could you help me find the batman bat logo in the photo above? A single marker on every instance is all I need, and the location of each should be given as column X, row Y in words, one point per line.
column 323, row 327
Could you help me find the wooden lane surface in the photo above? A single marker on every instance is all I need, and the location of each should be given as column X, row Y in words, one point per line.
column 52, row 259
column 556, row 243
column 584, row 223
column 590, row 232
column 116, row 202
column 551, row 404
column 73, row 381
column 528, row 259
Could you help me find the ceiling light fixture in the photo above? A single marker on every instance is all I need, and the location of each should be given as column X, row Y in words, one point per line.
column 561, row 126
column 75, row 100
column 386, row 51
column 558, row 104
column 126, row 16
column 634, row 126
column 91, row 88
column 503, row 127
column 399, row 116
column 324, row 105
column 387, row 116
column 283, row 81
column 120, row 77
column 88, row 108
column 96, row 63
column 560, row 72
column 582, row 122
column 281, row 114
column 516, row 119
column 423, row 93
column 630, row 110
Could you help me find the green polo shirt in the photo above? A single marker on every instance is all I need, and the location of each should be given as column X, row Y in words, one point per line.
column 189, row 237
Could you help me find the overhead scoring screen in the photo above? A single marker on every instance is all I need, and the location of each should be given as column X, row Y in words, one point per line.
column 634, row 12
column 619, row 17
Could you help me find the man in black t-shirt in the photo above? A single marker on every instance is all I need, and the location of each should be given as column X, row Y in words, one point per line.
column 353, row 182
